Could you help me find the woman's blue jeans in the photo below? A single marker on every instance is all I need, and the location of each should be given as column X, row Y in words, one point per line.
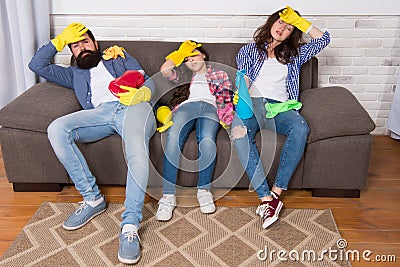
column 290, row 124
column 203, row 117
column 135, row 124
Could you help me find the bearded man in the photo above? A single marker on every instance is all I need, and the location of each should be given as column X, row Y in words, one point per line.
column 130, row 115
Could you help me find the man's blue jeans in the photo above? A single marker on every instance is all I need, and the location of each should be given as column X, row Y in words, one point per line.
column 289, row 123
column 202, row 116
column 135, row 124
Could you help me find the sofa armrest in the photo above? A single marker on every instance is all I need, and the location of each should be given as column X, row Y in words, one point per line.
column 333, row 112
column 37, row 107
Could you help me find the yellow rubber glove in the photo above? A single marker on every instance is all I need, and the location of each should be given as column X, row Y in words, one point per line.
column 225, row 126
column 134, row 96
column 235, row 97
column 113, row 52
column 164, row 116
column 289, row 16
column 71, row 34
column 185, row 50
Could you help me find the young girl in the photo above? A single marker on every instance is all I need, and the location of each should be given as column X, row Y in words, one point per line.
column 272, row 64
column 203, row 104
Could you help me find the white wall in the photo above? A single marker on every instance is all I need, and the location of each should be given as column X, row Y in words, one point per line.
column 364, row 54
column 225, row 7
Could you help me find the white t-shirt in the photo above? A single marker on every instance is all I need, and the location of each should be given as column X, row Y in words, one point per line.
column 200, row 91
column 271, row 81
column 100, row 78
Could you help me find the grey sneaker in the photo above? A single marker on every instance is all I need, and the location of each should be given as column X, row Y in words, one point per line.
column 84, row 214
column 165, row 208
column 129, row 247
column 206, row 201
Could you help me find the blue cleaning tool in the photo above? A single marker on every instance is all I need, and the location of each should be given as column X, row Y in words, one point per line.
column 244, row 107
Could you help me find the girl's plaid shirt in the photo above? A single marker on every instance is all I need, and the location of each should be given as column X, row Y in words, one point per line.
column 220, row 86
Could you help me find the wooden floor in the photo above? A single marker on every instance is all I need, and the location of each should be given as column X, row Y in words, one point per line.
column 371, row 222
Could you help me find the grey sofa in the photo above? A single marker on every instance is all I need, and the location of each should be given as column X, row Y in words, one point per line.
column 335, row 162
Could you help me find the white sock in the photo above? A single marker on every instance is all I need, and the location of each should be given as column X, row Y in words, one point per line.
column 168, row 196
column 96, row 202
column 129, row 228
column 202, row 190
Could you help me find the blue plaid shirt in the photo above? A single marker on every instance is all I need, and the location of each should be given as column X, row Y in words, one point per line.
column 251, row 60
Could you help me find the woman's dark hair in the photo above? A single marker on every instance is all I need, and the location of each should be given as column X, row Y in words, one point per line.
column 181, row 92
column 287, row 48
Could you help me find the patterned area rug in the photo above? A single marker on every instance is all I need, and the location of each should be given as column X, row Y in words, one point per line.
column 229, row 237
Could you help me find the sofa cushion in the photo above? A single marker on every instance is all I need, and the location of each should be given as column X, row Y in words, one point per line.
column 333, row 112
column 37, row 107
column 151, row 55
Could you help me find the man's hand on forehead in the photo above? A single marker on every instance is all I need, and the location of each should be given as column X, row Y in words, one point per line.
column 71, row 34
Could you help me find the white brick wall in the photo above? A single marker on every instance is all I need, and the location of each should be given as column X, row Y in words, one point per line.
column 364, row 54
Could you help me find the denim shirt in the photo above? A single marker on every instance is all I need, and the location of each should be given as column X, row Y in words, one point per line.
column 251, row 60
column 78, row 79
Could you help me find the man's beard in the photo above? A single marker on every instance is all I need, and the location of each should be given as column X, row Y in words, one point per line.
column 88, row 59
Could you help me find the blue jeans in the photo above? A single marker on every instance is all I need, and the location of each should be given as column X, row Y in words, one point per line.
column 202, row 116
column 289, row 123
column 135, row 124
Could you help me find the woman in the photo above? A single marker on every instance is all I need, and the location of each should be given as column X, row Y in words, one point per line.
column 272, row 64
column 204, row 103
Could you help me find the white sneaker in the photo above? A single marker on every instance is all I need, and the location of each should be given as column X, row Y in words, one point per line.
column 206, row 201
column 166, row 206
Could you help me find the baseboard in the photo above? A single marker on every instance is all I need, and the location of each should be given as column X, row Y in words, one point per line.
column 36, row 187
column 347, row 193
